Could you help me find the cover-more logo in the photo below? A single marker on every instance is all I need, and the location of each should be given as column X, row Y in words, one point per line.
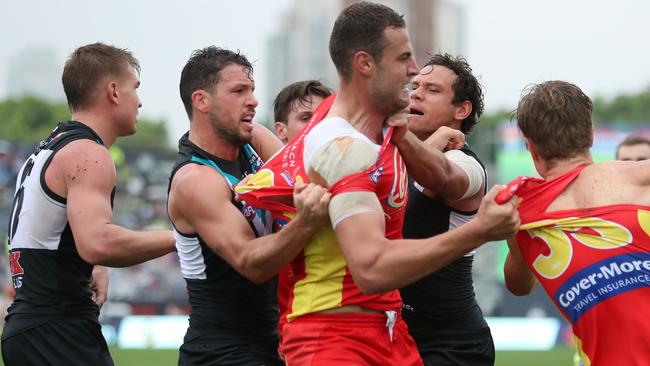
column 601, row 281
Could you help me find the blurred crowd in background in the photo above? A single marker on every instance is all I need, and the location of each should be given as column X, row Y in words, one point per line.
column 157, row 287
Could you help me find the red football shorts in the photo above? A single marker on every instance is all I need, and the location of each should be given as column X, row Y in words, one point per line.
column 347, row 340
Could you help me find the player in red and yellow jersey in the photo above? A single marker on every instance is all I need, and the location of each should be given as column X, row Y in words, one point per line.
column 341, row 306
column 585, row 234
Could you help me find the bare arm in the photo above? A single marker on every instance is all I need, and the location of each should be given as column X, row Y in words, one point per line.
column 427, row 164
column 431, row 169
column 89, row 176
column 211, row 214
column 265, row 142
column 378, row 264
column 519, row 280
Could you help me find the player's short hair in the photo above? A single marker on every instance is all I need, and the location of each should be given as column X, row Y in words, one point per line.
column 631, row 140
column 202, row 71
column 87, row 66
column 360, row 27
column 297, row 92
column 555, row 116
column 466, row 87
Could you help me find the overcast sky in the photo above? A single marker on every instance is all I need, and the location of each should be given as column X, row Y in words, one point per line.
column 601, row 45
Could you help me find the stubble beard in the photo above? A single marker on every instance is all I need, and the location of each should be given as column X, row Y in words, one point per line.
column 231, row 135
column 387, row 99
column 388, row 102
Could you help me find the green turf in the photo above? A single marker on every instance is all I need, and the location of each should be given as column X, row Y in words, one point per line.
column 143, row 357
column 556, row 357
column 561, row 356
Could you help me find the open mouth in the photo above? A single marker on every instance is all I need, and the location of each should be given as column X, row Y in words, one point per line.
column 416, row 112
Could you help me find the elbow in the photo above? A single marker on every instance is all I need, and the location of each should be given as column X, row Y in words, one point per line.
column 241, row 264
column 519, row 289
column 519, row 292
column 257, row 277
column 368, row 272
column 253, row 272
column 93, row 254
column 370, row 284
column 369, row 288
column 519, row 281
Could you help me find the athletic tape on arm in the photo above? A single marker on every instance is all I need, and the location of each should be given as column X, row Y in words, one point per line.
column 471, row 167
column 337, row 159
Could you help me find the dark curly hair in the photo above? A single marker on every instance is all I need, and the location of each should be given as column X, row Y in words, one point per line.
column 466, row 87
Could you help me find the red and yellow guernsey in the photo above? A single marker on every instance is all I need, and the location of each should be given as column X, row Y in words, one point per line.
column 318, row 278
column 594, row 264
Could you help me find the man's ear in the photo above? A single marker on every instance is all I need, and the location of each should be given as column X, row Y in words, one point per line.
column 363, row 63
column 463, row 110
column 112, row 93
column 200, row 101
column 281, row 131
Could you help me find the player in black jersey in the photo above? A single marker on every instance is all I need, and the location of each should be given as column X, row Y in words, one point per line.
column 440, row 309
column 227, row 262
column 60, row 228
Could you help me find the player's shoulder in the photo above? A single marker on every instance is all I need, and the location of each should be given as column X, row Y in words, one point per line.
column 195, row 174
column 614, row 170
column 85, row 147
column 85, row 154
column 194, row 180
column 334, row 128
column 633, row 173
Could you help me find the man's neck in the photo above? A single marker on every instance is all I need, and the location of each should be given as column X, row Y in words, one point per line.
column 97, row 123
column 356, row 107
column 557, row 167
column 203, row 136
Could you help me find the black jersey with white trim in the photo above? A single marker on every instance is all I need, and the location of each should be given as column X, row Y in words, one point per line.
column 444, row 298
column 50, row 278
column 223, row 302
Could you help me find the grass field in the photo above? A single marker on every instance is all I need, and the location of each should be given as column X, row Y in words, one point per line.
column 555, row 357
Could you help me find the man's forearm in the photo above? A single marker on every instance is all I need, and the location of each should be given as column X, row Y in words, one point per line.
column 272, row 252
column 428, row 166
column 122, row 247
column 380, row 265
